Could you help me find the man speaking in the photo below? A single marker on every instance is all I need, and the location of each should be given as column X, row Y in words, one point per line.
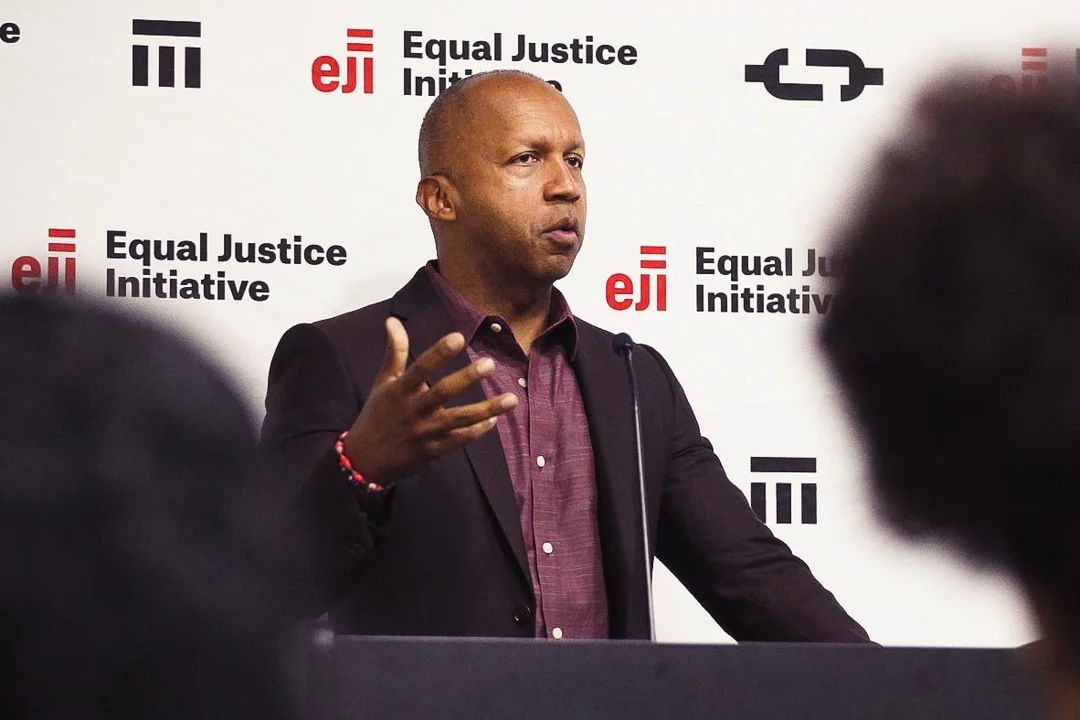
column 463, row 453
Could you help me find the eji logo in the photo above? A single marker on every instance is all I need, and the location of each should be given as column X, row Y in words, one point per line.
column 621, row 288
column 26, row 277
column 1034, row 64
column 326, row 71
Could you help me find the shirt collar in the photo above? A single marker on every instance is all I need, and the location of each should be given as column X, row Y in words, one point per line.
column 468, row 319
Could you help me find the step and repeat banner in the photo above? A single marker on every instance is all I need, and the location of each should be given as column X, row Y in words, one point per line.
column 233, row 168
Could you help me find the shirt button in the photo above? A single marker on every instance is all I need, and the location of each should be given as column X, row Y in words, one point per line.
column 556, row 633
column 496, row 327
column 522, row 614
column 523, row 382
column 540, row 461
column 548, row 548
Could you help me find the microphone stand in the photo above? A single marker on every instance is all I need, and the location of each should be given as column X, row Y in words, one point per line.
column 623, row 345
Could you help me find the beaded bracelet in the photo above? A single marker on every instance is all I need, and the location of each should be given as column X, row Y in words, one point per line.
column 346, row 467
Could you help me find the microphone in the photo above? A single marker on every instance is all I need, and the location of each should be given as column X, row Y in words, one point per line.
column 623, row 345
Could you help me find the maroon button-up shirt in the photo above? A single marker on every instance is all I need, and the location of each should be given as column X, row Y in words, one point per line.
column 549, row 455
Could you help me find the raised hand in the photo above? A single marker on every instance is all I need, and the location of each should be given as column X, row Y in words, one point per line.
column 403, row 423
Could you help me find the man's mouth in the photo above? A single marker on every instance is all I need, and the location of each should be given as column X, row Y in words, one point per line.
column 563, row 231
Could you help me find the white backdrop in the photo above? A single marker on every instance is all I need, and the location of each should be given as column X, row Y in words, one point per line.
column 683, row 153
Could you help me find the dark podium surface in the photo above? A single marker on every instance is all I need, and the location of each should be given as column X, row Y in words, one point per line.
column 353, row 677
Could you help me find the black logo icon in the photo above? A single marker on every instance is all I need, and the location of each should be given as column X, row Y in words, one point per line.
column 140, row 54
column 808, row 490
column 859, row 76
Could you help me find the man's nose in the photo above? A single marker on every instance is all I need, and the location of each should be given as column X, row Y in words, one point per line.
column 563, row 182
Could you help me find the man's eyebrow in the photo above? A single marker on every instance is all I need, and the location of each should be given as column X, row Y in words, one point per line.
column 544, row 144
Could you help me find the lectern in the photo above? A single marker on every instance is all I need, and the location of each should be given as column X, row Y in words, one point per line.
column 347, row 678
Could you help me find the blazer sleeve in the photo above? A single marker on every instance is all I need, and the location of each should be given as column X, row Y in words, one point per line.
column 709, row 537
column 310, row 400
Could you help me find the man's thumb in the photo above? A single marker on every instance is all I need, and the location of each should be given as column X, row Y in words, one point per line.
column 397, row 351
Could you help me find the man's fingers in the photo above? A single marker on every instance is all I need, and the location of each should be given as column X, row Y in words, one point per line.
column 397, row 352
column 460, row 437
column 430, row 361
column 446, row 421
column 454, row 384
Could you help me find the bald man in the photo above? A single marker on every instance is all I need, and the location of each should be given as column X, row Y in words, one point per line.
column 463, row 453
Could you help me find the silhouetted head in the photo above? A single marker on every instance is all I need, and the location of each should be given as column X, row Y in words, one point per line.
column 956, row 334
column 134, row 576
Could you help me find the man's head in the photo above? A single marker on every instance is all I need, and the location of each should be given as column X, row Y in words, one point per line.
column 501, row 157
column 956, row 333
column 135, row 562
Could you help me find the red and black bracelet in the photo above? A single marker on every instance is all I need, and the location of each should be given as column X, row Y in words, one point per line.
column 346, row 467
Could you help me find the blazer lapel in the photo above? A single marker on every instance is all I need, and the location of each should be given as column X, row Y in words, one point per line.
column 426, row 321
column 605, row 390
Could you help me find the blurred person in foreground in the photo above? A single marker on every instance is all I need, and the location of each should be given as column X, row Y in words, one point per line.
column 956, row 337
column 463, row 454
column 133, row 575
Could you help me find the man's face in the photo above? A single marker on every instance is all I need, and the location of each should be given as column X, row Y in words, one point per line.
column 521, row 194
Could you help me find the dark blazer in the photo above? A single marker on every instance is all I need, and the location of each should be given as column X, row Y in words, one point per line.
column 442, row 552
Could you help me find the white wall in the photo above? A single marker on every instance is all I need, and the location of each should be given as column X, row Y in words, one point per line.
column 682, row 153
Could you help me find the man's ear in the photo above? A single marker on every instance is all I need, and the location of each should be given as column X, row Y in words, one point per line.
column 435, row 196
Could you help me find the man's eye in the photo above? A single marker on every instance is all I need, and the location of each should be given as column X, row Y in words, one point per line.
column 575, row 162
column 525, row 158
